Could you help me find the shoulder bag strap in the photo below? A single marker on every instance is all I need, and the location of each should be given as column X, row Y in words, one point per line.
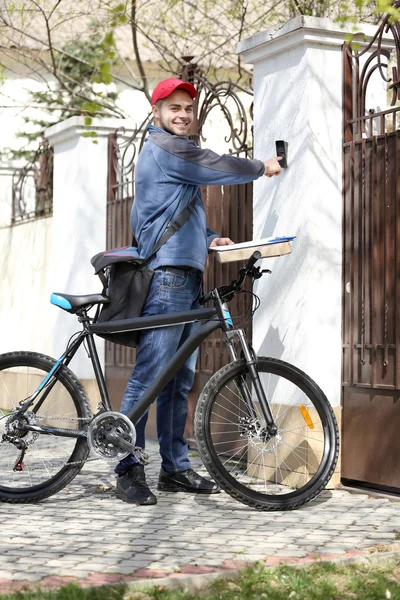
column 174, row 226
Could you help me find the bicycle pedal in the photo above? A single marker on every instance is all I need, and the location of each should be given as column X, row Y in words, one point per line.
column 141, row 456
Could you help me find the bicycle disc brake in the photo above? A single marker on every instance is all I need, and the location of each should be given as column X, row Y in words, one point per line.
column 111, row 436
column 251, row 428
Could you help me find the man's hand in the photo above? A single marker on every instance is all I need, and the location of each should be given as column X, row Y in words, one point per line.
column 221, row 242
column 272, row 166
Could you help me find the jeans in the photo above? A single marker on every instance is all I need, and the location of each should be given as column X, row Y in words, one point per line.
column 173, row 289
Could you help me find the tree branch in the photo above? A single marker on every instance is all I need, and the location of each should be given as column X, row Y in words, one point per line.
column 145, row 87
column 63, row 51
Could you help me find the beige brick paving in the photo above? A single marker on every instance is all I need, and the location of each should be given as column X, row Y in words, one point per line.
column 95, row 538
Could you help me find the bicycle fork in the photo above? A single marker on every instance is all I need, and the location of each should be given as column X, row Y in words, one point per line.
column 251, row 364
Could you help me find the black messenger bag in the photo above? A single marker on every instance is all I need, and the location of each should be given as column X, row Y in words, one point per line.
column 126, row 280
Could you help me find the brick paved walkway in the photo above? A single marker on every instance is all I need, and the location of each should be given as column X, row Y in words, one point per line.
column 85, row 533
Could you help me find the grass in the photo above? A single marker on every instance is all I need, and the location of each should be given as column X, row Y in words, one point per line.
column 319, row 581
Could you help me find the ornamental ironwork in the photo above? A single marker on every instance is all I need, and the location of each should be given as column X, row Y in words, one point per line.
column 228, row 97
column 32, row 186
column 364, row 59
column 371, row 258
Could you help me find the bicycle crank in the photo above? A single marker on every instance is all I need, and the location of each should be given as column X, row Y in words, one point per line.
column 112, row 436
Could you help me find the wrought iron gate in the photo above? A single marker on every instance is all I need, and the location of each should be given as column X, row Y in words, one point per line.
column 228, row 209
column 371, row 272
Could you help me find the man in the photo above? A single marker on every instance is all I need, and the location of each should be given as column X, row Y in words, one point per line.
column 169, row 171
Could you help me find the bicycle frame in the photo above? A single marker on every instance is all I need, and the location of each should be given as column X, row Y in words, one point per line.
column 173, row 366
column 89, row 329
column 215, row 318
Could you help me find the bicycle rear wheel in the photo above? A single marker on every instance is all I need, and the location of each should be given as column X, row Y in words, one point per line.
column 281, row 473
column 48, row 459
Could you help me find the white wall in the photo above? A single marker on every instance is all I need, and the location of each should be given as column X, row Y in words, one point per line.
column 25, row 286
column 298, row 98
column 53, row 254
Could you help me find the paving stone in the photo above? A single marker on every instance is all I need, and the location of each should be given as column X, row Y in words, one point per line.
column 137, row 563
column 30, row 560
column 76, row 573
column 5, row 558
column 333, row 549
column 207, row 561
column 43, row 569
column 98, row 536
column 381, row 535
column 56, row 563
column 4, row 574
column 29, row 576
column 312, row 542
column 291, row 553
column 16, row 552
column 91, row 565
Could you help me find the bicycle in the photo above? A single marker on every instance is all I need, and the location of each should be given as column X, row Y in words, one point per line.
column 265, row 431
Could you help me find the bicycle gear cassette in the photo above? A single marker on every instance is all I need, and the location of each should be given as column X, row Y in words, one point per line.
column 106, row 425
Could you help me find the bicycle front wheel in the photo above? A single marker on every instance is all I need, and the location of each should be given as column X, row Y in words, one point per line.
column 278, row 473
column 50, row 461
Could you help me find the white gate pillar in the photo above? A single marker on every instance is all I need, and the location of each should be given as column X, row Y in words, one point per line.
column 79, row 219
column 298, row 98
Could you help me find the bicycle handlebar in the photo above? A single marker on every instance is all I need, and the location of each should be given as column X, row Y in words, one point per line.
column 205, row 298
column 230, row 290
column 252, row 260
column 248, row 267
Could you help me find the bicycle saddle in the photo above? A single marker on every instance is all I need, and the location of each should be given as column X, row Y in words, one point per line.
column 71, row 303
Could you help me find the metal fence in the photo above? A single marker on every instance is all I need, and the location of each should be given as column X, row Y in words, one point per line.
column 32, row 186
column 371, row 262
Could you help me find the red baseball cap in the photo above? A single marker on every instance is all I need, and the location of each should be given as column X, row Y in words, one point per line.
column 167, row 86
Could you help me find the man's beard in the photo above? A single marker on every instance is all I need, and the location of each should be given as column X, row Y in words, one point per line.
column 166, row 128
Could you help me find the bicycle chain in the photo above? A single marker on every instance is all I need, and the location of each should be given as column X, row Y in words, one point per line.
column 59, row 418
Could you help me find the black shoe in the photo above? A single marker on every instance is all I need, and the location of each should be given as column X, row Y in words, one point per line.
column 186, row 481
column 132, row 487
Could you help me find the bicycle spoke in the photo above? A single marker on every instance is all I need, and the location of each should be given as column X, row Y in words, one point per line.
column 266, row 463
column 45, row 456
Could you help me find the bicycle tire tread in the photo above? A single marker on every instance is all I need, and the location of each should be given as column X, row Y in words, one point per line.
column 67, row 375
column 201, row 436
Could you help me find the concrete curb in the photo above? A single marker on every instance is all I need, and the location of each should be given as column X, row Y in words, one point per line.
column 374, row 557
column 371, row 493
column 194, row 583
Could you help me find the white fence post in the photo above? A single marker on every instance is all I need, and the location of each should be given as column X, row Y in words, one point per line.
column 7, row 171
column 298, row 98
column 79, row 219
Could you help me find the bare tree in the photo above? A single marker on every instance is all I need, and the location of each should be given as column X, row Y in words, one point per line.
column 140, row 39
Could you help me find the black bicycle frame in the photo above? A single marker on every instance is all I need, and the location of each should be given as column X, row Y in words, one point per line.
column 177, row 361
column 173, row 366
column 215, row 318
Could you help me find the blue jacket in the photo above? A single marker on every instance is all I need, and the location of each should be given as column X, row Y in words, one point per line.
column 169, row 171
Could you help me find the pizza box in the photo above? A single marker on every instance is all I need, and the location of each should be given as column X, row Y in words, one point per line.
column 268, row 247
